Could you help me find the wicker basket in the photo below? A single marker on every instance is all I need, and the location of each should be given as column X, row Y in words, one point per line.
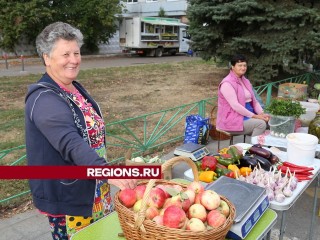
column 136, row 227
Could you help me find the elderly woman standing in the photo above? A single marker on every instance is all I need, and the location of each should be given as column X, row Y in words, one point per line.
column 239, row 112
column 64, row 127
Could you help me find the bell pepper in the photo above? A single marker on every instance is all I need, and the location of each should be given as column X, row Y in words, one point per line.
column 223, row 160
column 245, row 171
column 231, row 174
column 207, row 176
column 234, row 168
column 209, row 163
column 222, row 171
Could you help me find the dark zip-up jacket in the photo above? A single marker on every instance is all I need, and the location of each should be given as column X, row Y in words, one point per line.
column 53, row 138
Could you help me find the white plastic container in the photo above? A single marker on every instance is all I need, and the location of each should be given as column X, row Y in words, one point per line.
column 301, row 148
column 311, row 109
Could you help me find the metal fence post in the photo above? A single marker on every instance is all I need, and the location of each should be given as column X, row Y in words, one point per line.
column 22, row 62
column 5, row 56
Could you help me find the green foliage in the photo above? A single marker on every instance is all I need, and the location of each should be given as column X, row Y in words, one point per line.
column 278, row 37
column 26, row 19
column 283, row 107
column 22, row 20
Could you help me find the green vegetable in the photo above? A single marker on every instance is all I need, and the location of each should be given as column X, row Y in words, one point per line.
column 283, row 107
column 225, row 161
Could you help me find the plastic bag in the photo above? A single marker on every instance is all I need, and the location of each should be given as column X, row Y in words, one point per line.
column 196, row 130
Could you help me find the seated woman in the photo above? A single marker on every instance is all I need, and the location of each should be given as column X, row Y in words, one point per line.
column 239, row 112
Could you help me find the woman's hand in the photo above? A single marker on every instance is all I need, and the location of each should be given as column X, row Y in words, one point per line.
column 262, row 116
column 123, row 183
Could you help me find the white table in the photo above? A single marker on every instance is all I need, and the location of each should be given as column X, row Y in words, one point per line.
column 267, row 140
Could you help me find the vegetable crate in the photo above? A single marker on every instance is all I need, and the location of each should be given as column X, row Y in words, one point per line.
column 293, row 90
column 136, row 227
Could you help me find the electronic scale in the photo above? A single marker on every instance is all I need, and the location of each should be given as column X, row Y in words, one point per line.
column 249, row 200
column 192, row 150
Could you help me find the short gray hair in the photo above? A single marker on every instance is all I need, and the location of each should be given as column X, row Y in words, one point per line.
column 47, row 38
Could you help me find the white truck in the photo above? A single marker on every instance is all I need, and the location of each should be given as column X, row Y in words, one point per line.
column 153, row 36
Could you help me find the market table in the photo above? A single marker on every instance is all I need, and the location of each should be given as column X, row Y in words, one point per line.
column 267, row 140
column 109, row 228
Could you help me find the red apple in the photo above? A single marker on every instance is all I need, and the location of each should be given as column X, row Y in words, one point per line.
column 210, row 199
column 164, row 187
column 191, row 195
column 197, row 211
column 158, row 219
column 173, row 201
column 197, row 187
column 197, row 199
column 127, row 197
column 157, row 198
column 174, row 217
column 224, row 208
column 195, row 225
column 185, row 224
column 215, row 219
column 151, row 212
column 140, row 189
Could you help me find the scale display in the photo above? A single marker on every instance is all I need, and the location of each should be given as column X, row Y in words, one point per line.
column 192, row 150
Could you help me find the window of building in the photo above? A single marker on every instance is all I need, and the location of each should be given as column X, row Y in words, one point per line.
column 132, row 1
column 151, row 0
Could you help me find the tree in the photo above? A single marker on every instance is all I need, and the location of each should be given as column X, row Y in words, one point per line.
column 22, row 19
column 278, row 36
column 95, row 18
column 25, row 19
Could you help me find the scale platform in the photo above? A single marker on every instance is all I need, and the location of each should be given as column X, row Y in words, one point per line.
column 192, row 150
column 249, row 200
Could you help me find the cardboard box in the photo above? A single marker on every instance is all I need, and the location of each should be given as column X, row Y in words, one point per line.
column 293, row 91
column 167, row 175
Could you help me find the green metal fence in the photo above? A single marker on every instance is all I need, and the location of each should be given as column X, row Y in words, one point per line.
column 151, row 132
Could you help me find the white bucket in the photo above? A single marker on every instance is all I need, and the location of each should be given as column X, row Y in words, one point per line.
column 301, row 148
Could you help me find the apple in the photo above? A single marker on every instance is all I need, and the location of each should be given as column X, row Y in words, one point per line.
column 173, row 201
column 197, row 198
column 127, row 197
column 197, row 211
column 140, row 189
column 191, row 195
column 162, row 211
column 137, row 205
column 174, row 217
column 224, row 208
column 157, row 198
column 185, row 224
column 195, row 225
column 197, row 187
column 158, row 219
column 164, row 188
column 215, row 219
column 151, row 212
column 210, row 199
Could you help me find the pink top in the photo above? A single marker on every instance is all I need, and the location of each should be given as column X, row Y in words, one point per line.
column 230, row 95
